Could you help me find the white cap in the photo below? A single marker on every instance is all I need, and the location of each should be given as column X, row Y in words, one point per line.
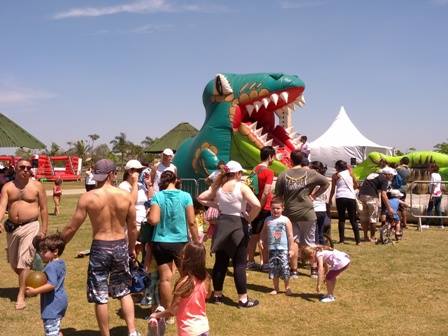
column 168, row 151
column 396, row 193
column 388, row 170
column 2, row 166
column 233, row 167
column 133, row 164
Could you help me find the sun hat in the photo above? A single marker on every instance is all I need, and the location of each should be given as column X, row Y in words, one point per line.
column 233, row 167
column 168, row 151
column 133, row 164
column 102, row 168
column 388, row 170
column 396, row 193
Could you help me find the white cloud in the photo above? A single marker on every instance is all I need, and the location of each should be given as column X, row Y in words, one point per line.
column 291, row 4
column 137, row 7
column 20, row 96
column 152, row 28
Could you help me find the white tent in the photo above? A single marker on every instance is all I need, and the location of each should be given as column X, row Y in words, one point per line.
column 343, row 141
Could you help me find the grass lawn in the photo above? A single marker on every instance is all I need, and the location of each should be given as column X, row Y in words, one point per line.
column 388, row 290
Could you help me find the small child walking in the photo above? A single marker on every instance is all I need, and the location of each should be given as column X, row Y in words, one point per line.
column 330, row 263
column 57, row 194
column 277, row 233
column 189, row 295
column 53, row 298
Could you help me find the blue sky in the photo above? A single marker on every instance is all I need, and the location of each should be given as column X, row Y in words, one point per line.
column 73, row 68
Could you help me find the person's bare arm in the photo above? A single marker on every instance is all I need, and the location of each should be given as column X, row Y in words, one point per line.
column 263, row 234
column 386, row 202
column 207, row 198
column 323, row 184
column 77, row 219
column 134, row 186
column 154, row 214
column 320, row 273
column 43, row 207
column 3, row 203
column 47, row 288
column 132, row 228
column 252, row 200
column 334, row 180
column 290, row 236
column 191, row 221
column 264, row 196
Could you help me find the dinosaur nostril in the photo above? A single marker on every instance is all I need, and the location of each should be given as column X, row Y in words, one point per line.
column 276, row 76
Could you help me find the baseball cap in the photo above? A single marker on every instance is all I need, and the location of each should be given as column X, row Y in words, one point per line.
column 168, row 151
column 233, row 167
column 133, row 164
column 396, row 193
column 102, row 168
column 388, row 170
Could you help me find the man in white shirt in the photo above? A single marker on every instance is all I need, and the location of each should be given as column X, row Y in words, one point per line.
column 167, row 158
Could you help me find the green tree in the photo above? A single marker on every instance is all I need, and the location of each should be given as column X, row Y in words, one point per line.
column 441, row 148
column 54, row 149
column 101, row 152
column 120, row 145
column 79, row 148
column 24, row 152
column 93, row 137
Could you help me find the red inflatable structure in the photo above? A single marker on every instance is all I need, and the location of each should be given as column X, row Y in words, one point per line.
column 49, row 168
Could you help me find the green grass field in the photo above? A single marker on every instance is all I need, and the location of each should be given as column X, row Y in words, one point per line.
column 388, row 290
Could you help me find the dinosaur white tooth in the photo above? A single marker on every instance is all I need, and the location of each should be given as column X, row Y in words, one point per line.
column 264, row 137
column 276, row 147
column 299, row 103
column 274, row 98
column 265, row 102
column 269, row 142
column 253, row 126
column 284, row 96
column 302, row 99
column 279, row 113
column 292, row 135
column 289, row 109
column 249, row 109
column 257, row 105
column 289, row 129
column 258, row 132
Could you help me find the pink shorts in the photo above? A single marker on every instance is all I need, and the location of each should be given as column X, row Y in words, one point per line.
column 20, row 248
column 331, row 275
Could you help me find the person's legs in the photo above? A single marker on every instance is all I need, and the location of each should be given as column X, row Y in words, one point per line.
column 437, row 210
column 364, row 218
column 351, row 209
column 321, row 215
column 127, row 307
column 275, row 282
column 341, row 207
column 239, row 270
column 102, row 317
column 331, row 284
column 219, row 271
column 293, row 260
column 22, row 273
column 165, row 275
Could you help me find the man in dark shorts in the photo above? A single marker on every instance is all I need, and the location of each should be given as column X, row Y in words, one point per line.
column 265, row 179
column 110, row 210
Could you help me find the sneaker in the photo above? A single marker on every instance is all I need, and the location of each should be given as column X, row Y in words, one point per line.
column 252, row 266
column 248, row 304
column 314, row 273
column 294, row 275
column 135, row 333
column 216, row 299
column 328, row 298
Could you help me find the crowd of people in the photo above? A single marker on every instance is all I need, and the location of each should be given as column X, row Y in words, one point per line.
column 149, row 218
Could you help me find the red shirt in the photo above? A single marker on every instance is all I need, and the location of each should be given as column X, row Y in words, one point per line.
column 265, row 176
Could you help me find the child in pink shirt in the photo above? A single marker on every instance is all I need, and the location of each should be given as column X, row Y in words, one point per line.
column 331, row 263
column 190, row 294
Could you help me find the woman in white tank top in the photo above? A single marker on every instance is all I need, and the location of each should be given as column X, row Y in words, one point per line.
column 231, row 237
column 344, row 184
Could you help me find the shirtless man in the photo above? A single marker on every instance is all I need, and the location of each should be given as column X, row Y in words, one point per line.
column 25, row 200
column 110, row 211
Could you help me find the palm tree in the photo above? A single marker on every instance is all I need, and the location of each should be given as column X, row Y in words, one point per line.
column 120, row 145
column 54, row 149
column 93, row 137
column 147, row 141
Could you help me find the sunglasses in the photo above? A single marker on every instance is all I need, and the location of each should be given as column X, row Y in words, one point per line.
column 27, row 168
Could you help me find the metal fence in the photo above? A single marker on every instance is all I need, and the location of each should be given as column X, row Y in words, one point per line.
column 194, row 186
column 420, row 201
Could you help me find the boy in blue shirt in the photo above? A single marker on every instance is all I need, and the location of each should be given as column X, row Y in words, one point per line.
column 277, row 234
column 53, row 298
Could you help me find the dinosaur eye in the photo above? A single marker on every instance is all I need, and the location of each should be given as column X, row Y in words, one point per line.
column 222, row 86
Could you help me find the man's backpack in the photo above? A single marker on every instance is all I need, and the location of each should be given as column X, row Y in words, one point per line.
column 252, row 179
column 397, row 182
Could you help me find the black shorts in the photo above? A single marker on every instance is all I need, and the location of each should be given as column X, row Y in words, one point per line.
column 165, row 253
column 258, row 222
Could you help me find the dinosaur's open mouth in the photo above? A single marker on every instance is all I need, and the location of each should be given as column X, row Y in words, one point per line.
column 254, row 116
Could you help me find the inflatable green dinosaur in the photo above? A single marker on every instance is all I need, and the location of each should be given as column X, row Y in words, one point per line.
column 240, row 119
column 419, row 159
